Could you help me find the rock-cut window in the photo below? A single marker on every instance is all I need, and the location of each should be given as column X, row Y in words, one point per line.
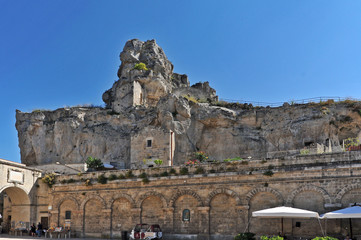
column 67, row 214
column 186, row 216
column 149, row 143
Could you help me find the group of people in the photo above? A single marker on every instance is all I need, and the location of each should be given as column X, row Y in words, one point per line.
column 36, row 231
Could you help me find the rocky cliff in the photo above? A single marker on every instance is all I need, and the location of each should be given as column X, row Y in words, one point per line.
column 149, row 94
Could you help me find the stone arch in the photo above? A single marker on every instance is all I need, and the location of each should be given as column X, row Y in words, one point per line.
column 13, row 186
column 323, row 192
column 251, row 194
column 58, row 204
column 224, row 217
column 20, row 204
column 344, row 190
column 225, row 191
column 185, row 192
column 121, row 218
column 151, row 193
column 93, row 197
column 258, row 199
column 122, row 195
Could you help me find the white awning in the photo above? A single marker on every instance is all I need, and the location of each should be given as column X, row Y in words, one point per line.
column 285, row 212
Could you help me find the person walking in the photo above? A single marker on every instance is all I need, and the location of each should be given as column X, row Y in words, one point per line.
column 40, row 229
column 33, row 230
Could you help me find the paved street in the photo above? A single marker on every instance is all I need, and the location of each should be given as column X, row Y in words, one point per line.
column 6, row 236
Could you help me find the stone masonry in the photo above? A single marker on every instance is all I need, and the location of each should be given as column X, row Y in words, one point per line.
column 220, row 200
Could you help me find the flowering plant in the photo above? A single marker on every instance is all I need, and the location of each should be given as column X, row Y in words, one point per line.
column 192, row 162
column 201, row 156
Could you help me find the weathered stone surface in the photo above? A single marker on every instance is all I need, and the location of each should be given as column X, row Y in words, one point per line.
column 220, row 201
column 155, row 99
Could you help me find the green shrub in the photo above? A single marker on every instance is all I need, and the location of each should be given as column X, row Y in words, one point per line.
column 271, row 238
column 94, row 163
column 231, row 169
column 164, row 174
column 191, row 98
column 183, row 171
column 172, row 171
column 129, row 174
column 140, row 66
column 304, row 151
column 245, row 236
column 158, row 162
column 112, row 177
column 199, row 170
column 212, row 171
column 232, row 159
column 324, row 238
column 102, row 179
column 200, row 156
column 49, row 179
column 268, row 173
column 145, row 180
column 70, row 180
column 142, row 175
column 121, row 176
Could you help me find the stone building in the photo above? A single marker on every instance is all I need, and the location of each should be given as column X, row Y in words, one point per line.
column 220, row 198
column 150, row 144
column 23, row 200
column 153, row 113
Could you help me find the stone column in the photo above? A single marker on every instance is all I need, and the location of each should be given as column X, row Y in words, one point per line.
column 168, row 220
column 204, row 224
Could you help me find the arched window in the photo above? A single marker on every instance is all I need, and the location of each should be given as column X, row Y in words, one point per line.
column 186, row 216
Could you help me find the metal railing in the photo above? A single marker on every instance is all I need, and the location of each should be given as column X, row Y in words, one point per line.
column 291, row 102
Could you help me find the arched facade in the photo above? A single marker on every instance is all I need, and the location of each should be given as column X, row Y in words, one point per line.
column 20, row 190
column 262, row 198
column 94, row 212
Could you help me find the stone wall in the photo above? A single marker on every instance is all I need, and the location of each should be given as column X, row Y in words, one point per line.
column 149, row 144
column 220, row 200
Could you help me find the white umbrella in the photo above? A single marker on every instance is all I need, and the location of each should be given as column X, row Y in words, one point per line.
column 350, row 212
column 286, row 212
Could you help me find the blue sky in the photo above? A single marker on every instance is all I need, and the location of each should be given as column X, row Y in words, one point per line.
column 66, row 52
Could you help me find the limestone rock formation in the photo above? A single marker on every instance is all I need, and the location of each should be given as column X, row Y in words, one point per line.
column 154, row 113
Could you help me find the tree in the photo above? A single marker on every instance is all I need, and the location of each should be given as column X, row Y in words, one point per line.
column 94, row 163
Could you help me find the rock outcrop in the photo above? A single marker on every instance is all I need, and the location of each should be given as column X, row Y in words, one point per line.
column 175, row 119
